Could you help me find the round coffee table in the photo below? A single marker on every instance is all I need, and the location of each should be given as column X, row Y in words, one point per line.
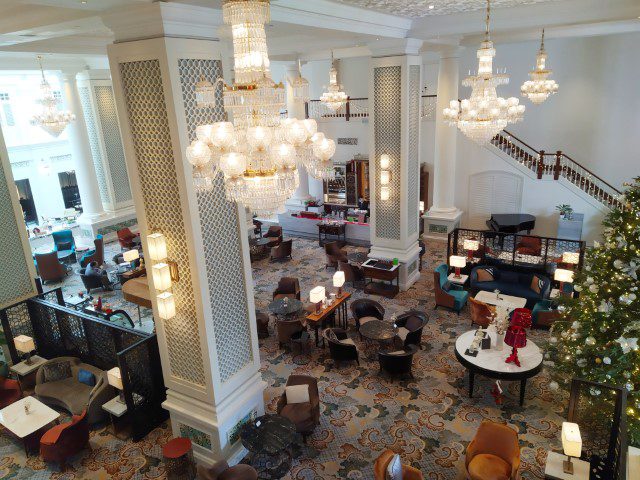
column 285, row 306
column 491, row 363
column 377, row 331
column 259, row 248
column 268, row 438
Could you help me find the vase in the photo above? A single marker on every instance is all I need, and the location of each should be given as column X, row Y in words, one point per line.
column 499, row 341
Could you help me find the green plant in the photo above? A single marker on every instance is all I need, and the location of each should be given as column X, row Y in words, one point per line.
column 565, row 210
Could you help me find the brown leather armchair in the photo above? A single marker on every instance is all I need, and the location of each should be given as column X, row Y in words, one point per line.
column 493, row 453
column 364, row 309
column 334, row 254
column 262, row 322
column 481, row 313
column 380, row 468
column 306, row 415
column 287, row 287
column 274, row 234
column 9, row 391
column 282, row 251
column 65, row 440
column 286, row 329
column 352, row 273
column 339, row 351
column 222, row 471
column 127, row 238
column 49, row 267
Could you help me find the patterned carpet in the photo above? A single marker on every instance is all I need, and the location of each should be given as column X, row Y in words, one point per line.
column 429, row 420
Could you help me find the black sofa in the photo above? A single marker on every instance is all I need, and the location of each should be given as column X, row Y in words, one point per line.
column 517, row 284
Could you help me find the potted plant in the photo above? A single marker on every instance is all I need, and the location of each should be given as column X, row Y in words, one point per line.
column 565, row 210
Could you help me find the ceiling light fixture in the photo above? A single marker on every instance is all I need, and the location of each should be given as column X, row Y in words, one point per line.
column 51, row 118
column 484, row 113
column 334, row 97
column 540, row 86
column 300, row 87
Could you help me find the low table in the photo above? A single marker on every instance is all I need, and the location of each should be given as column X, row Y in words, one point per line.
column 338, row 307
column 23, row 371
column 24, row 425
column 76, row 301
column 503, row 300
column 259, row 248
column 554, row 470
column 458, row 281
column 378, row 331
column 491, row 363
column 116, row 410
column 285, row 306
column 268, row 438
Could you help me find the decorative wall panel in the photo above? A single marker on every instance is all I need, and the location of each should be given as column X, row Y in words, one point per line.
column 196, row 436
column 106, row 108
column 221, row 237
column 94, row 143
column 413, row 155
column 145, row 101
column 387, row 85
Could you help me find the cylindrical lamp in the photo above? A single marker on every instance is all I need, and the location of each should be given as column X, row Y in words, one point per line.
column 157, row 246
column 114, row 377
column 338, row 281
column 457, row 262
column 471, row 245
column 317, row 296
column 131, row 256
column 571, row 444
column 561, row 275
column 166, row 305
column 161, row 276
column 25, row 344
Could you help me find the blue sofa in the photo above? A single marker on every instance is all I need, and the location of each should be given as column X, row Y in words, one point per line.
column 449, row 296
column 517, row 284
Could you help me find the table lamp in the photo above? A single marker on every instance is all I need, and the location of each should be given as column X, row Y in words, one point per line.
column 470, row 245
column 458, row 263
column 572, row 258
column 338, row 282
column 24, row 344
column 114, row 376
column 131, row 256
column 561, row 275
column 317, row 296
column 571, row 444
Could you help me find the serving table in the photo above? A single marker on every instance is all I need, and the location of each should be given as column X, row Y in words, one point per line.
column 339, row 307
column 385, row 271
column 491, row 363
column 26, row 426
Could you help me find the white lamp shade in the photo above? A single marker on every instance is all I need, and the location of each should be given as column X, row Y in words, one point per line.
column 24, row 344
column 166, row 305
column 161, row 276
column 385, row 177
column 385, row 193
column 562, row 275
column 115, row 378
column 457, row 262
column 338, row 279
column 470, row 244
column 317, row 294
column 421, row 206
column 571, row 439
column 385, row 160
column 131, row 255
column 571, row 257
column 157, row 246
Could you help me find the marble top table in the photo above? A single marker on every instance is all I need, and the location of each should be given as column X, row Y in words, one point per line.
column 268, row 434
column 491, row 363
column 502, row 300
column 285, row 306
column 378, row 330
column 22, row 424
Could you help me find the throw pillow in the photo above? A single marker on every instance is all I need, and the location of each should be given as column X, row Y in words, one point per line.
column 331, row 335
column 394, row 468
column 484, row 275
column 347, row 341
column 402, row 333
column 56, row 371
column 364, row 320
column 86, row 377
column 397, row 352
column 536, row 284
column 65, row 246
column 297, row 393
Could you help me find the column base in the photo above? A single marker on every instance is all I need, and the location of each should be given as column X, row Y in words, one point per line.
column 440, row 222
column 107, row 223
column 215, row 430
column 409, row 262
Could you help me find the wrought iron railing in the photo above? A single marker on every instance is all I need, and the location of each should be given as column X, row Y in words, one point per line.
column 359, row 108
column 558, row 165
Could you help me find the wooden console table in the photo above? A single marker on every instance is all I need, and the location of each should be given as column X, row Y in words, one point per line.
column 335, row 230
column 339, row 306
column 381, row 270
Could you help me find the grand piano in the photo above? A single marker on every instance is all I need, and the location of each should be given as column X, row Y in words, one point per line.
column 511, row 222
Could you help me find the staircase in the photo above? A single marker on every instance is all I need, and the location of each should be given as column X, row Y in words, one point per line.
column 558, row 165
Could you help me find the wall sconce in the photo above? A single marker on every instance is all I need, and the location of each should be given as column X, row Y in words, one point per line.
column 421, row 206
column 385, row 160
column 164, row 273
column 157, row 246
column 166, row 305
column 161, row 276
column 385, row 193
column 385, row 177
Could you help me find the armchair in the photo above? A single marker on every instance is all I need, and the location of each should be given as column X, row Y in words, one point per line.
column 95, row 255
column 262, row 322
column 95, row 281
column 544, row 313
column 49, row 267
column 287, row 287
column 452, row 298
column 493, row 453
column 222, row 471
column 127, row 238
column 282, row 251
column 334, row 254
column 287, row 329
column 352, row 273
column 9, row 391
column 397, row 363
column 64, row 241
column 274, row 233
column 380, row 468
column 413, row 321
column 365, row 310
column 339, row 349
column 65, row 440
column 481, row 313
column 304, row 415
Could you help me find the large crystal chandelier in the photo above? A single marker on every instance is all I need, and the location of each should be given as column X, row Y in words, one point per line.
column 258, row 153
column 50, row 118
column 484, row 114
column 300, row 87
column 334, row 97
column 540, row 86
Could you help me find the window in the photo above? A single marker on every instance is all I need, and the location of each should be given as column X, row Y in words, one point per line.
column 26, row 201
column 70, row 192
column 8, row 115
column 493, row 192
column 4, row 96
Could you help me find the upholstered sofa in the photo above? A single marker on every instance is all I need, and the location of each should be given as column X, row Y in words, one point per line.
column 517, row 284
column 71, row 394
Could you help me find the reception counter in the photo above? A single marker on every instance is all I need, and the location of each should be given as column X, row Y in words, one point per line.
column 356, row 233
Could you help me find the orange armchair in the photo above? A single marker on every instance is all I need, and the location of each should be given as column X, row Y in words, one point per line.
column 481, row 313
column 494, row 453
column 65, row 440
column 380, row 468
column 9, row 392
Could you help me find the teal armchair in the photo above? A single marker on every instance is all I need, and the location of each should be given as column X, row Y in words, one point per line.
column 64, row 241
column 448, row 296
column 544, row 313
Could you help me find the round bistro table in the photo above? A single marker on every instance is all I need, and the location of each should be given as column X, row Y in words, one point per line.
column 268, row 438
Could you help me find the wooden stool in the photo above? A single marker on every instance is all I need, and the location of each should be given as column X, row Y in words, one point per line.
column 178, row 459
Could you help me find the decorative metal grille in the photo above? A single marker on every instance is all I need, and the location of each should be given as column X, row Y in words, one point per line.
column 145, row 101
column 221, row 237
column 106, row 107
column 413, row 155
column 387, row 85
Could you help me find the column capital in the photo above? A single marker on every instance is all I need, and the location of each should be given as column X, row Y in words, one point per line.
column 162, row 19
column 387, row 47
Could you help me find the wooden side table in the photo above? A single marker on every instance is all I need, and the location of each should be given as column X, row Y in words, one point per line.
column 118, row 416
column 339, row 307
column 26, row 374
column 458, row 281
column 553, row 469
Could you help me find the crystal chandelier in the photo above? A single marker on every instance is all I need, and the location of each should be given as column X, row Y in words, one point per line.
column 540, row 86
column 51, row 119
column 300, row 87
column 334, row 97
column 484, row 114
column 258, row 153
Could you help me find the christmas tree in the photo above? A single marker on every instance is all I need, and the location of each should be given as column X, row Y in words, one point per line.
column 596, row 337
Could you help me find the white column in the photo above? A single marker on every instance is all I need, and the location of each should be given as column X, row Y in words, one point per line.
column 444, row 216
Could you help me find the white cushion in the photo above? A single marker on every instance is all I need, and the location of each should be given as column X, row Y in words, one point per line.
column 347, row 341
column 297, row 394
column 394, row 468
column 364, row 320
column 402, row 333
column 397, row 352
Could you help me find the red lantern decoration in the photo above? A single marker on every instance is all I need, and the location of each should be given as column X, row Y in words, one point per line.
column 516, row 336
column 521, row 317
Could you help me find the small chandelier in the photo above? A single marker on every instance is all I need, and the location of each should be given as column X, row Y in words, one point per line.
column 51, row 119
column 540, row 86
column 484, row 114
column 334, row 97
column 300, row 87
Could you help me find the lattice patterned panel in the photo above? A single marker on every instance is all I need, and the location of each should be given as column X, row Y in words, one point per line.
column 221, row 238
column 144, row 97
column 106, row 107
column 15, row 281
column 94, row 143
column 413, row 155
column 387, row 85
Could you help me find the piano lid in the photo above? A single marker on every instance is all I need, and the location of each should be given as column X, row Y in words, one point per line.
column 511, row 222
